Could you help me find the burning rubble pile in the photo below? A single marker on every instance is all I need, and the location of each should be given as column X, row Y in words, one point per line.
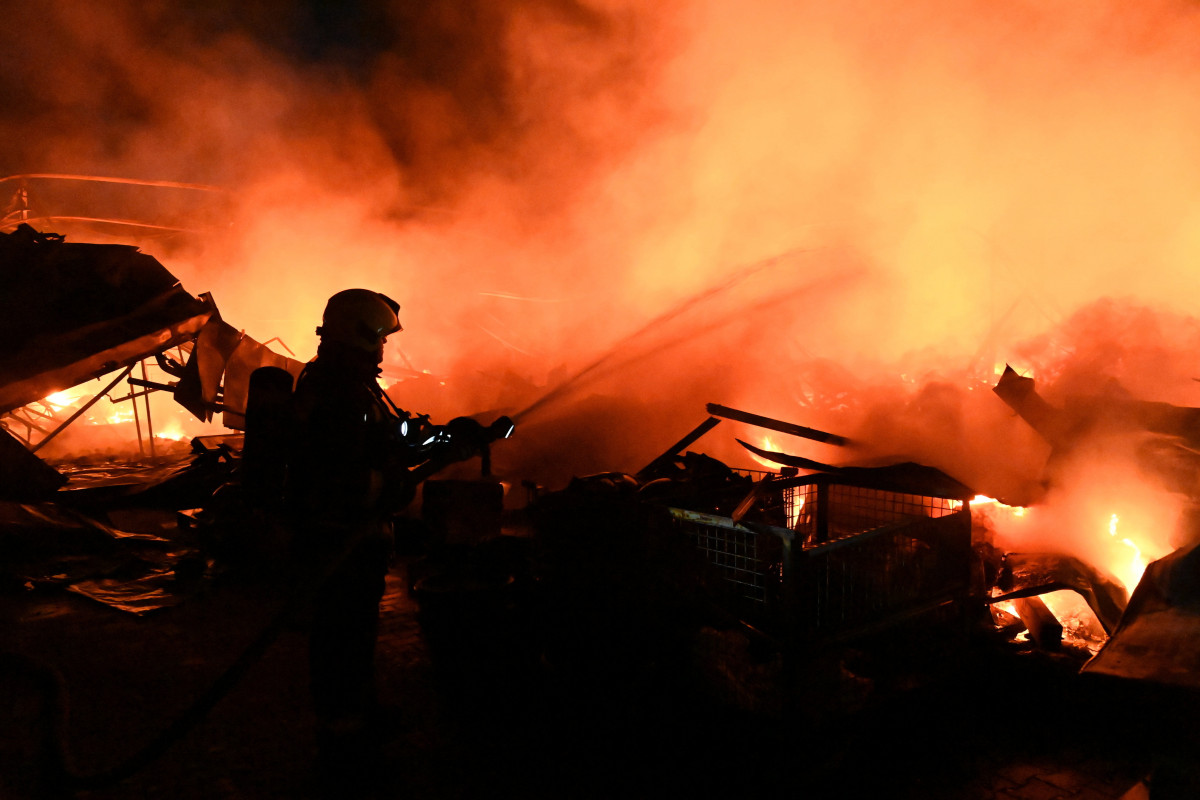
column 75, row 316
column 792, row 556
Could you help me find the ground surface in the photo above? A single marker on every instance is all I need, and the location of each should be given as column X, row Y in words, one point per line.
column 486, row 714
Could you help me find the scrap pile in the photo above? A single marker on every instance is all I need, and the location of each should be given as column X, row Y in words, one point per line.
column 75, row 313
column 794, row 559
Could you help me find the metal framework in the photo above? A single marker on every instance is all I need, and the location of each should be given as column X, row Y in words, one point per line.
column 38, row 423
column 19, row 209
column 817, row 558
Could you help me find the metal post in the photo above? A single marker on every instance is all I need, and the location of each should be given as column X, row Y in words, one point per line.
column 822, row 518
column 137, row 422
column 84, row 408
column 149, row 423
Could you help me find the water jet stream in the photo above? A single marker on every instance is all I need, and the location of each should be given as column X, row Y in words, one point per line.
column 610, row 357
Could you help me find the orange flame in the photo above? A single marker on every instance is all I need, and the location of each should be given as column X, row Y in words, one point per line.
column 1126, row 563
column 767, row 443
column 1129, row 573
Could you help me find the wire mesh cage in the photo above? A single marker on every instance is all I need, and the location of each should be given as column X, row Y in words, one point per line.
column 818, row 556
column 742, row 557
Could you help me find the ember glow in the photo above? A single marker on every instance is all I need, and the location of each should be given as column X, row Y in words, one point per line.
column 1079, row 622
column 1130, row 573
column 1080, row 627
column 993, row 506
column 60, row 400
column 111, row 427
column 1101, row 546
column 795, row 508
column 769, row 444
column 173, row 433
column 119, row 416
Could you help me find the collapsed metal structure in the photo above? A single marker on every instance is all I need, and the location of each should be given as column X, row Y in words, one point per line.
column 73, row 313
column 835, row 553
column 1153, row 637
column 825, row 556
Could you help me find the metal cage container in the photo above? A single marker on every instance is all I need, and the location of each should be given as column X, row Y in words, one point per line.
column 818, row 557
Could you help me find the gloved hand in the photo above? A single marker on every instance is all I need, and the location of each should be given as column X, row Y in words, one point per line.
column 467, row 438
column 501, row 428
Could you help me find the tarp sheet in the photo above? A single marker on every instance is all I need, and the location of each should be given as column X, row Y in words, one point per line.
column 45, row 547
column 218, row 373
column 116, row 536
column 1158, row 638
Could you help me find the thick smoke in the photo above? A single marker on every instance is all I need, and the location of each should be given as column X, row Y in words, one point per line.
column 841, row 214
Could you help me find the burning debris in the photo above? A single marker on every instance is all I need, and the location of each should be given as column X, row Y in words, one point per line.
column 1027, row 575
column 1168, row 436
column 636, row 578
column 78, row 312
column 799, row 562
column 618, row 132
column 74, row 312
column 1156, row 639
column 885, row 542
column 767, row 585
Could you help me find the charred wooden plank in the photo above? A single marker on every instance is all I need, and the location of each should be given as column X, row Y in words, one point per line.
column 673, row 450
column 1052, row 423
column 787, row 459
column 1109, row 406
column 776, row 425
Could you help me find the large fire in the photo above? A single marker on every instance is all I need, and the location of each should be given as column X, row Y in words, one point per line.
column 776, row 205
column 1131, row 572
column 1123, row 555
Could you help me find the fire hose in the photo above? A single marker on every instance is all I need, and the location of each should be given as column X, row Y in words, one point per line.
column 61, row 777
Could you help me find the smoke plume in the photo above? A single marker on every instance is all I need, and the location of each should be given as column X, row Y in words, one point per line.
column 841, row 214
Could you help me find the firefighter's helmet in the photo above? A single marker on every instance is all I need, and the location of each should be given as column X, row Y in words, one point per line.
column 360, row 318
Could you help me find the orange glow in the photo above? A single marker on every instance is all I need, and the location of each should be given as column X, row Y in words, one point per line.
column 61, row 400
column 108, row 427
column 1016, row 511
column 769, row 444
column 783, row 205
column 795, row 509
column 1079, row 622
column 1038, row 529
column 990, row 505
column 173, row 433
column 118, row 416
column 1006, row 606
column 1080, row 627
column 1129, row 573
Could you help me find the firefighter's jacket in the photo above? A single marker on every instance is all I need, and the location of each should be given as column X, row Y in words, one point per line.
column 343, row 448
